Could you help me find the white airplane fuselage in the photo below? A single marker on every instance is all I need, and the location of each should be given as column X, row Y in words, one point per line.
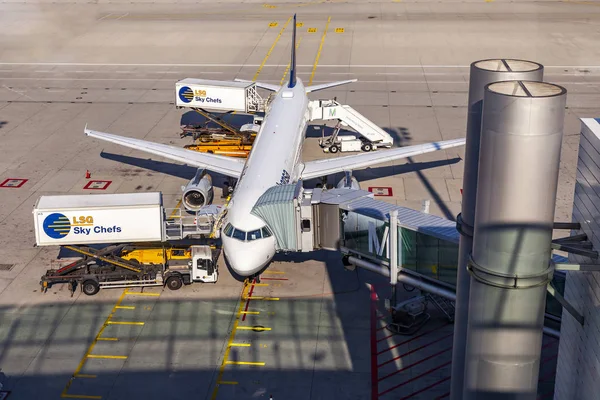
column 273, row 160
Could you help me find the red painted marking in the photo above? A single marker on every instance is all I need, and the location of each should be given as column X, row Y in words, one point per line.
column 547, row 375
column 97, row 185
column 380, row 329
column 550, row 343
column 417, row 377
column 387, row 337
column 384, row 191
column 548, row 395
column 13, row 183
column 461, row 191
column 374, row 371
column 274, row 279
column 443, row 396
column 415, row 363
column 66, row 267
column 414, row 350
column 411, row 339
column 426, row 388
column 549, row 358
column 248, row 299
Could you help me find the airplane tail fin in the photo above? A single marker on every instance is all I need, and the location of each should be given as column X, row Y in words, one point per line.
column 293, row 57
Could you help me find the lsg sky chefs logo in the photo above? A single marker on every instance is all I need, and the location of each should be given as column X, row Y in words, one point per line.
column 187, row 95
column 58, row 226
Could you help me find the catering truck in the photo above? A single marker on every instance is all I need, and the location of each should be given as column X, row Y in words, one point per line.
column 217, row 96
column 125, row 240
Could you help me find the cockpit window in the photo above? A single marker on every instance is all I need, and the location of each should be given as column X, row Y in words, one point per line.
column 239, row 235
column 253, row 235
column 266, row 232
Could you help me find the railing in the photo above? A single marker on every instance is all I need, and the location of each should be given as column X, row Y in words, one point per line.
column 180, row 224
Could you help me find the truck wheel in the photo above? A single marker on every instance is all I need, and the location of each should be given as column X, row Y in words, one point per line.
column 333, row 149
column 367, row 147
column 174, row 282
column 90, row 287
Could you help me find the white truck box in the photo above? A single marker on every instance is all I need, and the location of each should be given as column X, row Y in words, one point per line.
column 98, row 218
column 213, row 95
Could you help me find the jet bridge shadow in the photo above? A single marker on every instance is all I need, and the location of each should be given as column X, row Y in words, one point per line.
column 319, row 345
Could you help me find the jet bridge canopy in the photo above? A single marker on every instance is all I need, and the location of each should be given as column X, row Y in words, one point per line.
column 276, row 208
column 353, row 222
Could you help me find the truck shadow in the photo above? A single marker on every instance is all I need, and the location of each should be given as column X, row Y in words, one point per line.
column 235, row 120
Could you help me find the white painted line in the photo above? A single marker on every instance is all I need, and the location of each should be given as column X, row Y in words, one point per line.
column 106, row 16
column 271, row 81
column 278, row 65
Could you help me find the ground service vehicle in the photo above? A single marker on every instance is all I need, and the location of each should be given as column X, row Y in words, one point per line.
column 123, row 240
column 120, row 266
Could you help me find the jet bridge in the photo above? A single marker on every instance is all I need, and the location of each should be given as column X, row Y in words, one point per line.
column 354, row 223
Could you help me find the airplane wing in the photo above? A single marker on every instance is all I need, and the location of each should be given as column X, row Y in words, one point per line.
column 224, row 165
column 322, row 86
column 268, row 86
column 328, row 166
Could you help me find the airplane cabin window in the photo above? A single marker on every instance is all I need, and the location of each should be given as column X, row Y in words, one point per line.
column 253, row 235
column 239, row 235
column 266, row 232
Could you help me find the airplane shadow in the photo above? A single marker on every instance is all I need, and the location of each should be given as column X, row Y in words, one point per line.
column 369, row 173
column 187, row 172
column 177, row 170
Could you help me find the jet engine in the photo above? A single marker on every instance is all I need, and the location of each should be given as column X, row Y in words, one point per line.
column 348, row 182
column 199, row 192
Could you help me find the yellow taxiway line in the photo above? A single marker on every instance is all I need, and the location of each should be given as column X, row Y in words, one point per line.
column 271, row 49
column 312, row 74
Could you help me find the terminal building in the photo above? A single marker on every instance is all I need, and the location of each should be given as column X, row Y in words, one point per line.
column 578, row 370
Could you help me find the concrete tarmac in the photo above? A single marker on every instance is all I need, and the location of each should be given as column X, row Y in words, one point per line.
column 114, row 66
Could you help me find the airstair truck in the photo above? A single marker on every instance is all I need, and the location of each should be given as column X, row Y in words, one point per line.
column 121, row 240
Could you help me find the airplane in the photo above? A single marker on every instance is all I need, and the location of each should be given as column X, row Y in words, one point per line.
column 275, row 159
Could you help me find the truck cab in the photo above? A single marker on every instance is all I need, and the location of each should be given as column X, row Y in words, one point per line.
column 202, row 264
column 199, row 266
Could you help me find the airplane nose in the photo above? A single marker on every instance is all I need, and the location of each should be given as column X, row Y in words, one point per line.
column 247, row 258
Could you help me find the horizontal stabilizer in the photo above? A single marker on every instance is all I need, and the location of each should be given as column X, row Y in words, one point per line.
column 322, row 86
column 268, row 86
